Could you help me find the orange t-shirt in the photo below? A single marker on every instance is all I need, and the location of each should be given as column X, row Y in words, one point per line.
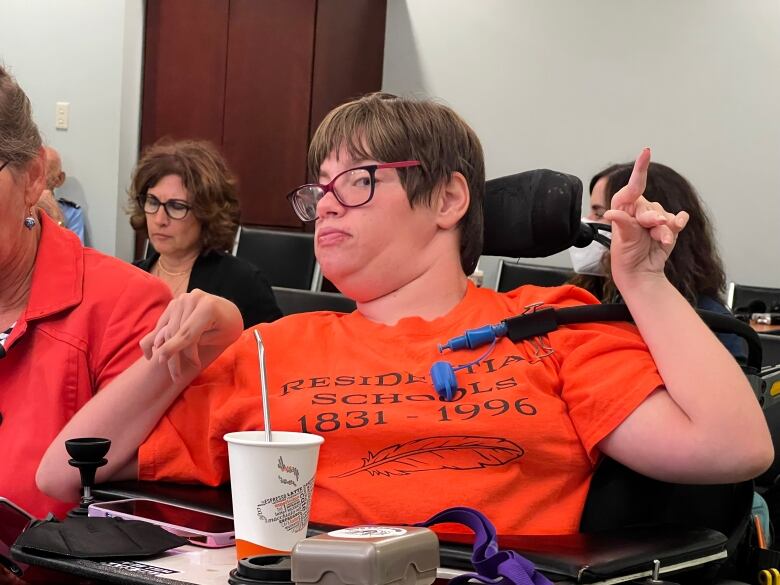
column 519, row 443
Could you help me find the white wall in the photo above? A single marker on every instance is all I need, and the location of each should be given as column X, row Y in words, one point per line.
column 575, row 85
column 88, row 53
column 558, row 83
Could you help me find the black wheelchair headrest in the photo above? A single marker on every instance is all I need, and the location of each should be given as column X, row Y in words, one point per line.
column 531, row 214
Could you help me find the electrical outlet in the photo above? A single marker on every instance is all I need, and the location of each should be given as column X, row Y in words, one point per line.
column 62, row 116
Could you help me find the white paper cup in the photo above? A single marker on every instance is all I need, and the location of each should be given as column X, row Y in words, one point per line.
column 272, row 484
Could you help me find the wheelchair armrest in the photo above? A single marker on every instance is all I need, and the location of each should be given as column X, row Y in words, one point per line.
column 592, row 558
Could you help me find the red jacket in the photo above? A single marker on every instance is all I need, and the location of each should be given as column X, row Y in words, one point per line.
column 84, row 317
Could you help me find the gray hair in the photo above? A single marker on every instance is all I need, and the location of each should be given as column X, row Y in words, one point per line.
column 20, row 140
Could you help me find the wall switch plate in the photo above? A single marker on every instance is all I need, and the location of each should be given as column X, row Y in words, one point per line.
column 62, row 116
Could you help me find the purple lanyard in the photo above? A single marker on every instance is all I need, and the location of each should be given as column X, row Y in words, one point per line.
column 494, row 566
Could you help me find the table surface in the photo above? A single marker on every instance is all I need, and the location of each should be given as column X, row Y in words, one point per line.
column 186, row 564
column 760, row 328
column 190, row 565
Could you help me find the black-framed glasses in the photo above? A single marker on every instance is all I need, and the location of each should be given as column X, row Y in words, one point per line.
column 174, row 208
column 352, row 188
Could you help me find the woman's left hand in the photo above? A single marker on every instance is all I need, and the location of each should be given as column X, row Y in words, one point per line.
column 643, row 232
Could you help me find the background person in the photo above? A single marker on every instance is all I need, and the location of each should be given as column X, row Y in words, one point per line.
column 397, row 205
column 183, row 197
column 694, row 266
column 70, row 317
column 71, row 215
column 49, row 206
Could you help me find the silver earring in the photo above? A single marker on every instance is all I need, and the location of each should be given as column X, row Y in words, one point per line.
column 29, row 221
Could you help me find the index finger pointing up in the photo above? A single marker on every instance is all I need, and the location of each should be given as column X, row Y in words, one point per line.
column 636, row 184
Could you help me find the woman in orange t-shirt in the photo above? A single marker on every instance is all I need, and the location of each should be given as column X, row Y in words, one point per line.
column 398, row 227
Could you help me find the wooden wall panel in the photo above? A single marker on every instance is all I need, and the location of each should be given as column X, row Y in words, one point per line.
column 348, row 53
column 256, row 77
column 185, row 59
column 267, row 103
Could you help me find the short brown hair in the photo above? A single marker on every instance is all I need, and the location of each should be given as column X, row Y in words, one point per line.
column 388, row 128
column 207, row 178
column 20, row 140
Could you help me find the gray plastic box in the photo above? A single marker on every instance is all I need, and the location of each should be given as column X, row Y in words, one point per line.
column 367, row 555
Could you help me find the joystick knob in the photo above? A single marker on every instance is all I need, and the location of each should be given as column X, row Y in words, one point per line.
column 87, row 455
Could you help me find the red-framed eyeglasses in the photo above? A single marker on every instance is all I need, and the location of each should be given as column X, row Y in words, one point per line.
column 352, row 188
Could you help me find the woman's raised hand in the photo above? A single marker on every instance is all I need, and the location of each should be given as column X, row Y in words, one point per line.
column 643, row 232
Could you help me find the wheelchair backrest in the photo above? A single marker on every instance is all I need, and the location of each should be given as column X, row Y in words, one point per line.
column 620, row 497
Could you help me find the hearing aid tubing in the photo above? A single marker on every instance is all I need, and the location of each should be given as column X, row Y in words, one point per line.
column 472, row 338
column 518, row 328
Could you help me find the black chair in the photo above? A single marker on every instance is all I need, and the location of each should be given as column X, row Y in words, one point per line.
column 744, row 298
column 771, row 349
column 512, row 274
column 286, row 258
column 623, row 501
column 292, row 300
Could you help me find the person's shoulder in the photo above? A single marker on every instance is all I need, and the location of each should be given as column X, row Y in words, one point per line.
column 708, row 303
column 96, row 260
column 289, row 333
column 225, row 275
column 307, row 325
column 231, row 265
column 310, row 319
column 145, row 264
column 68, row 203
column 113, row 273
column 235, row 264
column 566, row 295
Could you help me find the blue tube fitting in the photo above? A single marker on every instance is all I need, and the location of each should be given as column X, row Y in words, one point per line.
column 444, row 381
column 475, row 337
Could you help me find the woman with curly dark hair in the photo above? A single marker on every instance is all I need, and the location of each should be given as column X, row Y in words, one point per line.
column 183, row 197
column 694, row 267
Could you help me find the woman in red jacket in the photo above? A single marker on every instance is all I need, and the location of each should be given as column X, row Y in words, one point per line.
column 70, row 317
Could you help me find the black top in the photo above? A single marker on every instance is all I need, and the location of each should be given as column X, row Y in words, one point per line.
column 231, row 278
column 734, row 343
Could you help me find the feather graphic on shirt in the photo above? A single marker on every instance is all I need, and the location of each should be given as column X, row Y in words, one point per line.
column 457, row 452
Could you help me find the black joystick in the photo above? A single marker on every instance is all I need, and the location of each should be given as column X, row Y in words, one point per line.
column 87, row 455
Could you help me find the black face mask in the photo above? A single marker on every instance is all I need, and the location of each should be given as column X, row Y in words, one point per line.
column 96, row 538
